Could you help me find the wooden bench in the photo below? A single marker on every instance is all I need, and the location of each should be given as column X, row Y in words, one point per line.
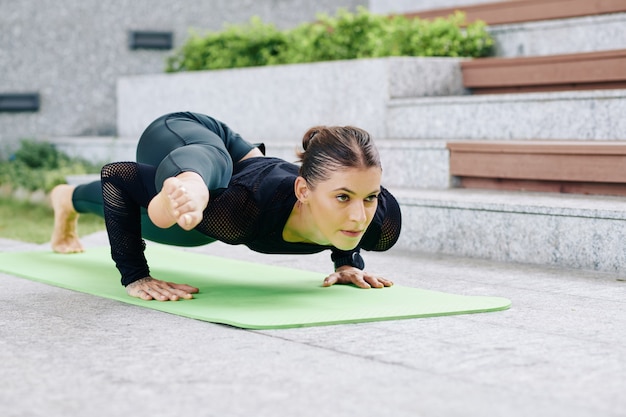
column 519, row 11
column 582, row 71
column 550, row 166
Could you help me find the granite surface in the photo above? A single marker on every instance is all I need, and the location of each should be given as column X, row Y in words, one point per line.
column 415, row 164
column 575, row 115
column 562, row 36
column 568, row 231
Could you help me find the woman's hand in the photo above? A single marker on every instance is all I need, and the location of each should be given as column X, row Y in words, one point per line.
column 350, row 275
column 149, row 288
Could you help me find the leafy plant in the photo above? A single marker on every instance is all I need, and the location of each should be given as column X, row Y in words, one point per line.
column 344, row 36
column 40, row 166
column 253, row 45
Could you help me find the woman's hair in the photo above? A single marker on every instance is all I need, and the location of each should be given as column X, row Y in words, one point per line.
column 327, row 149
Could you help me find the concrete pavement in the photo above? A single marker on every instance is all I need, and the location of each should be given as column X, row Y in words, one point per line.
column 559, row 351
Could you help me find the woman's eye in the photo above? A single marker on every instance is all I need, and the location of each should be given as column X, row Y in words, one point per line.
column 342, row 198
column 371, row 198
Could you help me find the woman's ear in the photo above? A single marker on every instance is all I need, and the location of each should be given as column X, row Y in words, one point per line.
column 301, row 188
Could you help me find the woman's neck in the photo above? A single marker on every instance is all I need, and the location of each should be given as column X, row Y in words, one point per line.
column 300, row 228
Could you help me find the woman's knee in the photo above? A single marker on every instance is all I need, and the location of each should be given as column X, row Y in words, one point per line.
column 121, row 170
column 213, row 164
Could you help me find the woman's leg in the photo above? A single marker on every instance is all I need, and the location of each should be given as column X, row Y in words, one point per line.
column 185, row 147
column 64, row 233
column 193, row 154
column 70, row 201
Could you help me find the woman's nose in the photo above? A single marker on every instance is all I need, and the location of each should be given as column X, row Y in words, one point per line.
column 357, row 212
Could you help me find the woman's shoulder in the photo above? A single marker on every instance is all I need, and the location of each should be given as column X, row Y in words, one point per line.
column 386, row 225
column 265, row 176
column 265, row 166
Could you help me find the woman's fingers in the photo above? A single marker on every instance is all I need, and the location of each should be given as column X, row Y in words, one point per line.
column 377, row 282
column 332, row 279
column 184, row 287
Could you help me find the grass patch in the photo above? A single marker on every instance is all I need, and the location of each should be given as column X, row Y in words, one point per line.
column 31, row 222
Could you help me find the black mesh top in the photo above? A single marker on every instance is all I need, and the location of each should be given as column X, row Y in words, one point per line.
column 255, row 207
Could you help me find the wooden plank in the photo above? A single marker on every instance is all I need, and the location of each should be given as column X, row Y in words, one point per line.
column 520, row 73
column 582, row 71
column 519, row 11
column 532, row 60
column 541, row 147
column 550, row 167
column 549, row 88
column 544, row 186
column 581, row 167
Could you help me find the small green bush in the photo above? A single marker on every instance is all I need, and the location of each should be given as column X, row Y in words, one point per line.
column 40, row 166
column 345, row 36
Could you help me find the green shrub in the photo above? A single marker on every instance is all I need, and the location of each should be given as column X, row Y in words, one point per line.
column 344, row 36
column 40, row 166
column 253, row 45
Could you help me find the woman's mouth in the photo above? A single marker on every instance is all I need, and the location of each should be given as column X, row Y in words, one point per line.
column 352, row 233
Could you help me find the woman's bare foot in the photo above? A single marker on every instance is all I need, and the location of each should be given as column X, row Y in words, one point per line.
column 64, row 234
column 181, row 200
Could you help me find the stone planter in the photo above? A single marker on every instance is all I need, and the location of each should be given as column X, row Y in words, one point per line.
column 279, row 103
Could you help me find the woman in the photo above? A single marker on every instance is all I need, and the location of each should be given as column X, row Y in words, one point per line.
column 196, row 181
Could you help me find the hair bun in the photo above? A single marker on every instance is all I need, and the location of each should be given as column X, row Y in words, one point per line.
column 309, row 136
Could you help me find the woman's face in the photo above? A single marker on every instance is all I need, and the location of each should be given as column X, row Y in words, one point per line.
column 343, row 206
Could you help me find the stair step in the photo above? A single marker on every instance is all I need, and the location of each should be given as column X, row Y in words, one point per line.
column 571, row 231
column 579, row 115
column 581, row 71
column 563, row 36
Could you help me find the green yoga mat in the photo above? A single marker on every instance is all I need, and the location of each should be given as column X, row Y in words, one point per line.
column 244, row 294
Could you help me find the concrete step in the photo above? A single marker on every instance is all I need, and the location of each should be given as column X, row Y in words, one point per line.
column 570, row 231
column 584, row 115
column 562, row 36
column 97, row 149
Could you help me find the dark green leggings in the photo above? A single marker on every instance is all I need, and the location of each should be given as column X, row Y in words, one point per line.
column 172, row 144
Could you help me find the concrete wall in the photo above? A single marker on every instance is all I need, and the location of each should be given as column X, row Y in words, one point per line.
column 72, row 52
